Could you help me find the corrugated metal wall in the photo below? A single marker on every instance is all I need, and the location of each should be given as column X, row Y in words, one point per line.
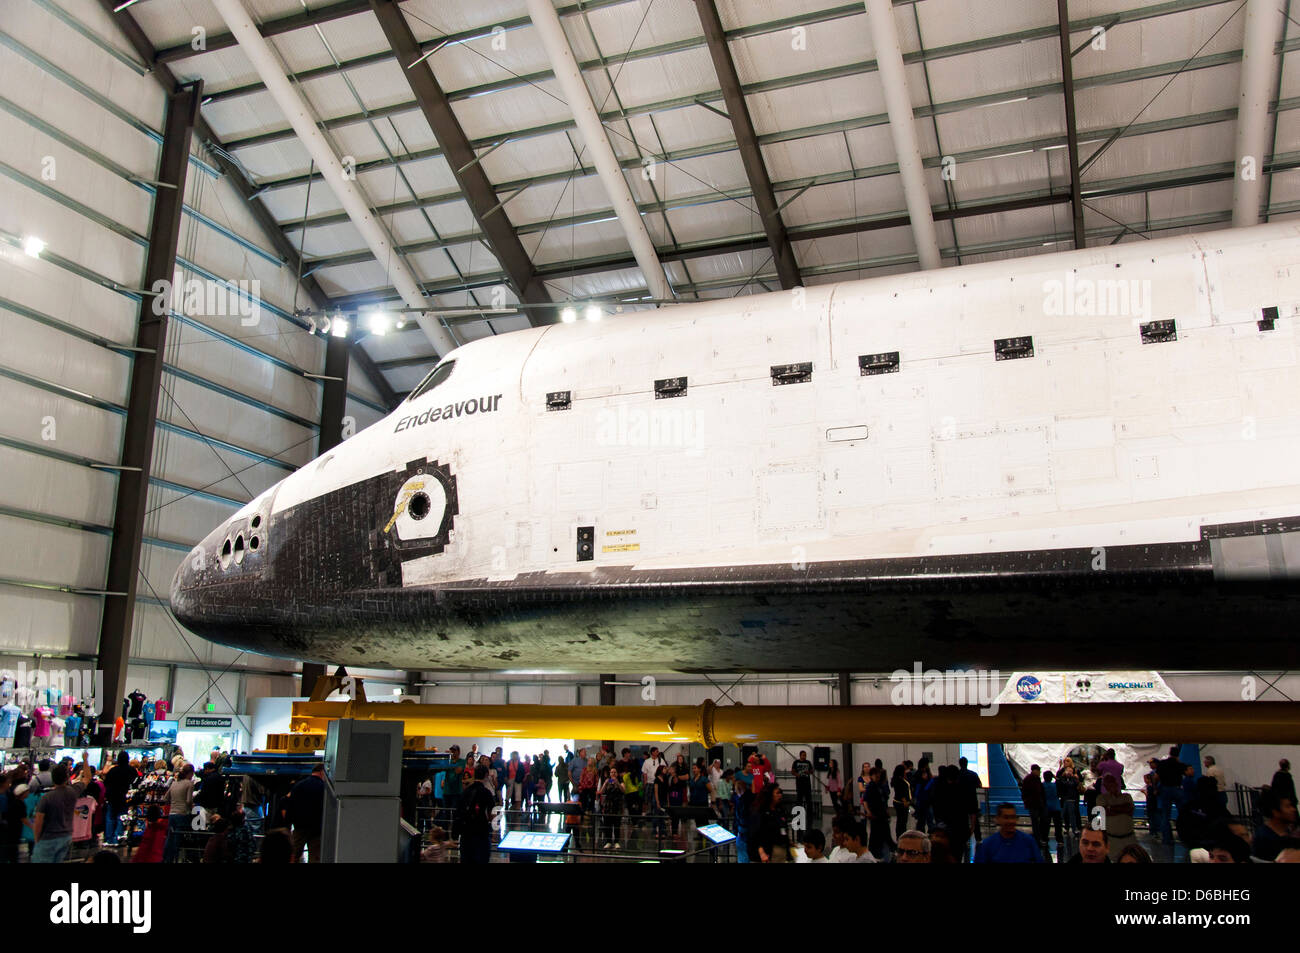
column 77, row 124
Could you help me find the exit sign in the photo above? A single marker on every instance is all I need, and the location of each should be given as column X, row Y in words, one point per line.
column 210, row 707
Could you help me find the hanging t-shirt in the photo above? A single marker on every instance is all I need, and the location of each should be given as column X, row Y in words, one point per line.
column 66, row 704
column 7, row 688
column 137, row 699
column 118, row 725
column 9, row 716
column 71, row 730
column 148, row 713
column 23, row 732
column 41, row 722
column 160, row 709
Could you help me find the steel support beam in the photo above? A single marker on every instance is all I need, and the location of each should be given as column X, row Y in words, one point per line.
column 142, row 406
column 275, row 27
column 760, row 184
column 1071, row 127
column 902, row 129
column 1259, row 66
column 461, row 157
column 375, row 374
column 235, row 175
column 559, row 51
column 334, row 398
column 350, row 195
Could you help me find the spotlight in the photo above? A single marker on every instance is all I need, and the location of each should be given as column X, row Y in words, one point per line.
column 568, row 315
column 401, row 323
column 325, row 326
column 340, row 327
column 33, row 246
column 594, row 313
column 379, row 322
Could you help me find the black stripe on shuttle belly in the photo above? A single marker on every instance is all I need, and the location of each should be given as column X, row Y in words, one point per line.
column 335, row 543
column 1067, row 570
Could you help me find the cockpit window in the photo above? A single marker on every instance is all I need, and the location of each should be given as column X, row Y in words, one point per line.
column 436, row 377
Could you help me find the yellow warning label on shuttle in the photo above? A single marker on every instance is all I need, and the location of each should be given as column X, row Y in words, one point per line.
column 620, row 532
column 621, row 548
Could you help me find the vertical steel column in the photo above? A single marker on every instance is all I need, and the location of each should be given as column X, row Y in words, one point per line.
column 142, row 406
column 311, row 671
column 1071, row 128
column 760, row 184
column 846, row 748
column 334, row 398
column 607, row 698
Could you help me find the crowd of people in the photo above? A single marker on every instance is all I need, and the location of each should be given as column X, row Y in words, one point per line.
column 916, row 813
column 46, row 808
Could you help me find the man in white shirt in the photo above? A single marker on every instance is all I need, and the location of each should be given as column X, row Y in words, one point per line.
column 839, row 853
column 1212, row 770
column 814, row 846
column 648, row 768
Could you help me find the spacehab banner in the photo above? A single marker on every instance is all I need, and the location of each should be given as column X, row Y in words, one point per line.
column 1063, row 687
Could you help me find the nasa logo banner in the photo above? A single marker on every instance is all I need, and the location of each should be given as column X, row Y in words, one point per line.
column 1029, row 688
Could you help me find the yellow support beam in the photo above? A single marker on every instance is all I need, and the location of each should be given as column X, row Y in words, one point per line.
column 709, row 724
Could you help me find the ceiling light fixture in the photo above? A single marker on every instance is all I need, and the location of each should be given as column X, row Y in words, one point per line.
column 594, row 313
column 568, row 315
column 33, row 246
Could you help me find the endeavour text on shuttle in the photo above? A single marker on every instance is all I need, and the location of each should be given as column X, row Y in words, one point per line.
column 462, row 407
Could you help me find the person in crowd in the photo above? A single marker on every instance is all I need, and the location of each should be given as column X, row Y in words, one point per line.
column 1031, row 792
column 863, row 781
column 1290, row 852
column 1119, row 808
column 13, row 814
column 970, row 785
column 839, row 853
column 52, row 820
column 722, row 796
column 1151, row 783
column 814, row 848
column 902, row 794
column 1230, row 850
column 913, row 848
column 154, row 839
column 656, row 798
column 949, row 806
column 1170, row 770
column 610, row 794
column 1279, row 813
column 211, row 793
column 877, row 807
column 941, row 846
column 562, row 779
column 217, row 849
column 679, row 775
column 1283, row 784
column 1052, row 809
column 515, row 772
column 769, row 837
column 802, row 769
column 1095, row 845
column 854, row 841
column 1202, row 813
column 1134, row 854
column 277, row 848
column 699, row 790
column 42, row 780
column 578, row 765
column 1008, row 845
column 835, row 787
column 1212, row 770
column 118, row 781
column 588, row 781
column 633, row 792
column 742, row 808
column 923, row 787
column 1109, row 765
column 307, row 813
column 473, row 824
column 651, row 765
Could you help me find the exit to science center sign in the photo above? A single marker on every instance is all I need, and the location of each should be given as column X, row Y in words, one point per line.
column 208, row 721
